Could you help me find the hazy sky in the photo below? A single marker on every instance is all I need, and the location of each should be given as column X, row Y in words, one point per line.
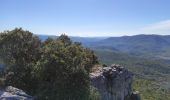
column 87, row 17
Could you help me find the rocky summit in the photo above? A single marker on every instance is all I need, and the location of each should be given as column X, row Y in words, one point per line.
column 12, row 93
column 114, row 83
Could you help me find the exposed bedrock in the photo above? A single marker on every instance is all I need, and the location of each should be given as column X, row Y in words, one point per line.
column 113, row 83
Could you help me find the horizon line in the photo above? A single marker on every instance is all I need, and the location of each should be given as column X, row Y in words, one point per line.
column 101, row 36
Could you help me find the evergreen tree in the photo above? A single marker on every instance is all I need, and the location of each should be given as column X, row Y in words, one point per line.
column 20, row 51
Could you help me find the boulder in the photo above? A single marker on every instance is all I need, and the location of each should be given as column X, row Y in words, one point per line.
column 12, row 93
column 113, row 82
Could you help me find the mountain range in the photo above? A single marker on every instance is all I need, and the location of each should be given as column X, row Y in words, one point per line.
column 147, row 56
column 147, row 46
column 156, row 46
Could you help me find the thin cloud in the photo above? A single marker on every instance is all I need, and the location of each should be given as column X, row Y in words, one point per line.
column 162, row 27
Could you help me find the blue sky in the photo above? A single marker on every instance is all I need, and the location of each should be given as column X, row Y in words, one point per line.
column 87, row 17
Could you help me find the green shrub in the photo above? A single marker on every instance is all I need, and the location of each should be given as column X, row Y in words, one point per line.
column 56, row 69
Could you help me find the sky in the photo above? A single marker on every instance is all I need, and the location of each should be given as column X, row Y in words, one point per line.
column 87, row 18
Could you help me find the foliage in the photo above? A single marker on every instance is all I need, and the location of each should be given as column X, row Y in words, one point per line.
column 65, row 67
column 65, row 39
column 150, row 90
column 57, row 68
column 151, row 77
column 20, row 51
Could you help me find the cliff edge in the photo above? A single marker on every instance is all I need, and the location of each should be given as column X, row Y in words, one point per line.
column 113, row 83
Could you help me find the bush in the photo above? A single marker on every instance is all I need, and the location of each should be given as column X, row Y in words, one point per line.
column 64, row 70
column 56, row 69
column 20, row 51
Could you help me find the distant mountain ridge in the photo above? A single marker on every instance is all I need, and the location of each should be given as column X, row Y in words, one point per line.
column 151, row 45
column 139, row 45
column 83, row 40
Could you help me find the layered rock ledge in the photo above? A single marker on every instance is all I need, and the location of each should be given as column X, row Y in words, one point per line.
column 113, row 83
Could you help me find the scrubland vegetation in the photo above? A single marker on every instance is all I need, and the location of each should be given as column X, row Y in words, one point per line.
column 55, row 69
column 49, row 68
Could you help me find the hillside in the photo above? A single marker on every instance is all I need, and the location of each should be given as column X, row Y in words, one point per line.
column 147, row 56
column 151, row 76
column 147, row 46
column 132, row 51
column 140, row 45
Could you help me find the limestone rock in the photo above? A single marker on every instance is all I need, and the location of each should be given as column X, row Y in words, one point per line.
column 113, row 83
column 12, row 93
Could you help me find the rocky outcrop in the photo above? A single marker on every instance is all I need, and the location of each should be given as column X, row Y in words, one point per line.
column 113, row 83
column 11, row 93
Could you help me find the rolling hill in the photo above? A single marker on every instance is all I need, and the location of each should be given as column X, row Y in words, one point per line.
column 146, row 46
column 140, row 45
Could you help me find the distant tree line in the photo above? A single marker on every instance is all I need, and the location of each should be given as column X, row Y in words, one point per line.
column 55, row 69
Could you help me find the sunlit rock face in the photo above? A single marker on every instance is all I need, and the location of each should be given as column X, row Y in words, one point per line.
column 113, row 82
column 12, row 93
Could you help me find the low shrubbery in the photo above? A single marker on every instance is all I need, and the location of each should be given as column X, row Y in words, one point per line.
column 56, row 69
